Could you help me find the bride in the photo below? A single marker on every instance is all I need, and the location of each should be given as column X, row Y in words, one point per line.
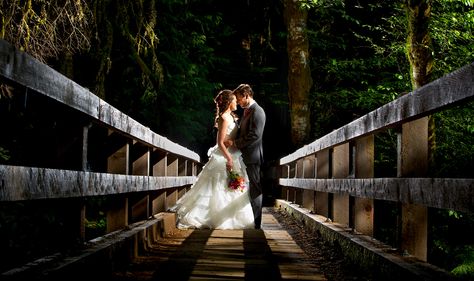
column 211, row 202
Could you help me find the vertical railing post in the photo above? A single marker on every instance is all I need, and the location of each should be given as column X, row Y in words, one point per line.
column 364, row 168
column 340, row 170
column 189, row 167
column 291, row 190
column 82, row 221
column 128, row 158
column 140, row 159
column 183, row 172
column 85, row 168
column 173, row 170
column 118, row 160
column 159, row 162
column 285, row 173
column 139, row 209
column 118, row 163
column 309, row 171
column 85, row 147
column 299, row 174
column 181, row 167
column 414, row 163
column 117, row 214
column 322, row 172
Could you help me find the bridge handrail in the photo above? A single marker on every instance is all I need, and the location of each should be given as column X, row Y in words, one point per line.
column 333, row 177
column 103, row 153
column 21, row 68
column 449, row 90
column 32, row 183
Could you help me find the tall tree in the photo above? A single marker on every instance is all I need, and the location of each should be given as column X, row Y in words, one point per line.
column 128, row 26
column 419, row 41
column 46, row 29
column 414, row 149
column 299, row 72
column 420, row 53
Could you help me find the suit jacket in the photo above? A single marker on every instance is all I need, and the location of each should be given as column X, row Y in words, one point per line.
column 249, row 136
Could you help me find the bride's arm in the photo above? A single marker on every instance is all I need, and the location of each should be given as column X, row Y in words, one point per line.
column 222, row 125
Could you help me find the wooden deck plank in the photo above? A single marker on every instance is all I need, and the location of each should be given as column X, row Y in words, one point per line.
column 254, row 254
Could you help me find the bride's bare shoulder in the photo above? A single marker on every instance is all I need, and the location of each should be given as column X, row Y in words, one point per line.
column 227, row 117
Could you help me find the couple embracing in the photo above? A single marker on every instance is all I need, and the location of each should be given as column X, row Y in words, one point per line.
column 211, row 202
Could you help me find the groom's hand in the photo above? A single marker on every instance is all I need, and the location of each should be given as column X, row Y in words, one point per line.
column 228, row 143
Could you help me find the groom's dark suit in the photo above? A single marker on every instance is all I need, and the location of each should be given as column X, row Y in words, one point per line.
column 249, row 141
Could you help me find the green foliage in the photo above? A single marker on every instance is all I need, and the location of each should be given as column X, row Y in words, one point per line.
column 385, row 158
column 187, row 53
column 466, row 269
column 95, row 228
column 455, row 142
column 46, row 29
column 96, row 224
column 452, row 248
column 156, row 57
column 359, row 61
column 452, row 31
column 4, row 154
column 95, row 220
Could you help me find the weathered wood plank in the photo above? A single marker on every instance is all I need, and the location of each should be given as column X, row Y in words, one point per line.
column 269, row 253
column 28, row 183
column 447, row 193
column 23, row 69
column 449, row 90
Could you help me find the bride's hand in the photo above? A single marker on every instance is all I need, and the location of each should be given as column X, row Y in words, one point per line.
column 229, row 165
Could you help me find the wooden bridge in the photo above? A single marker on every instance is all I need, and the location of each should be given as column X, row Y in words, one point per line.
column 87, row 155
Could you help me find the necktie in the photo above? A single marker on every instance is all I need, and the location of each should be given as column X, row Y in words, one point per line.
column 246, row 112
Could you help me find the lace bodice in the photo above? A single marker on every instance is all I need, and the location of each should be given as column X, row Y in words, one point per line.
column 232, row 130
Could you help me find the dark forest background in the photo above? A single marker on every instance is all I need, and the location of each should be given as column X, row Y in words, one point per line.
column 162, row 62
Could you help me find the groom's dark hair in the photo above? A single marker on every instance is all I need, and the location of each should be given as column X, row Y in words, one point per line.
column 242, row 88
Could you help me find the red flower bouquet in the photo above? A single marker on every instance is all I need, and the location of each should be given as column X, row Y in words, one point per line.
column 236, row 181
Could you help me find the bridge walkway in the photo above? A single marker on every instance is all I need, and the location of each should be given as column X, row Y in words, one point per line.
column 269, row 253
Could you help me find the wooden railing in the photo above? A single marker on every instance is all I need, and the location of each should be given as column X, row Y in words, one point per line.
column 75, row 146
column 333, row 176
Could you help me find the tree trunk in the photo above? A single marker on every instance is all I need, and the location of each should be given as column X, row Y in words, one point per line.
column 419, row 41
column 104, row 45
column 420, row 54
column 416, row 135
column 299, row 74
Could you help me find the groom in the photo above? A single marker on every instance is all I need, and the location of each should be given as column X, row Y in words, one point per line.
column 249, row 141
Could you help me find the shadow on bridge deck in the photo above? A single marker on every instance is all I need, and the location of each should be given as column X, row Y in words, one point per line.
column 265, row 254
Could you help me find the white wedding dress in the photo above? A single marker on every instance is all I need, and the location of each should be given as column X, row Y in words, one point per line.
column 210, row 203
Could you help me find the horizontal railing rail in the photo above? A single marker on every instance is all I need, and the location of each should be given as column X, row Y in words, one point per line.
column 31, row 183
column 452, row 89
column 21, row 68
column 444, row 193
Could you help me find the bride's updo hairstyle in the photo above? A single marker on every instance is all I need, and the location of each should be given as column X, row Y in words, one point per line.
column 223, row 100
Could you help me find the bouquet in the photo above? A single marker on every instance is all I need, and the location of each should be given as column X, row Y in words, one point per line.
column 236, row 181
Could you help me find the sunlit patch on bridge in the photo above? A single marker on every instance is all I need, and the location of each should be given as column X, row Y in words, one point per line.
column 252, row 254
